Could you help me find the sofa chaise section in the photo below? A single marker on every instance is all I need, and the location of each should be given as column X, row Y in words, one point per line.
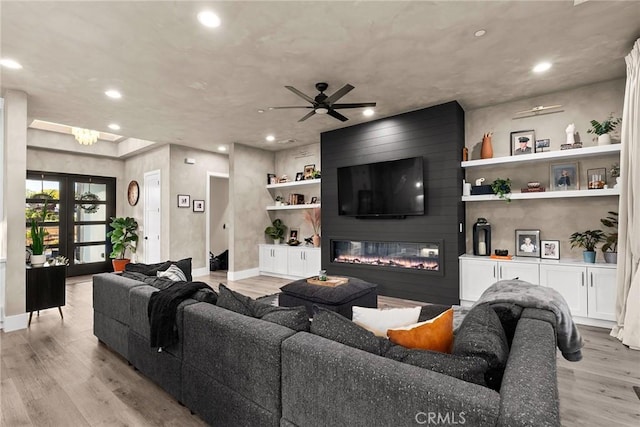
column 231, row 367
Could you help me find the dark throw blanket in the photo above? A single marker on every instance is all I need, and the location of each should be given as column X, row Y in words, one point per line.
column 162, row 309
column 528, row 295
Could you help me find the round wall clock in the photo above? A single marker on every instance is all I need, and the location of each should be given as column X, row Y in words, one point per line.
column 133, row 193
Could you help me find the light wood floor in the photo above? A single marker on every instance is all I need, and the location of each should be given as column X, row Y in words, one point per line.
column 57, row 374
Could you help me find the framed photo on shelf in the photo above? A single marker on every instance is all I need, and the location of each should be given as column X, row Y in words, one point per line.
column 550, row 249
column 299, row 176
column 541, row 144
column 522, row 142
column 564, row 176
column 184, row 200
column 271, row 178
column 528, row 243
column 596, row 178
column 293, row 234
column 309, row 170
column 198, row 205
column 314, row 200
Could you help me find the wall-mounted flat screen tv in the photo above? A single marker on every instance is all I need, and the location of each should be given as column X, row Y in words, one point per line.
column 384, row 189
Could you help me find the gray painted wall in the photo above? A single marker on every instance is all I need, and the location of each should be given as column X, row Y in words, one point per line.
column 556, row 218
column 219, row 214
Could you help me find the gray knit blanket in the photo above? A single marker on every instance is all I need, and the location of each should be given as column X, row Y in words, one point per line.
column 528, row 295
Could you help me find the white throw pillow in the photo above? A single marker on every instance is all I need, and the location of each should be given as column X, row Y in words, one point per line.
column 174, row 273
column 379, row 320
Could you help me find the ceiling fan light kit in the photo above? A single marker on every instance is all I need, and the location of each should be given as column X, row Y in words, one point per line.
column 323, row 104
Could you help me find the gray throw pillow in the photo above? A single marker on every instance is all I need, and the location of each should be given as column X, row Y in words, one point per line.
column 481, row 335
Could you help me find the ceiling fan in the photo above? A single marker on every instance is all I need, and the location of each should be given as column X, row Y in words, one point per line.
column 323, row 104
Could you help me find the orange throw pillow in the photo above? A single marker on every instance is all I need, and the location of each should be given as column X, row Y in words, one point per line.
column 435, row 334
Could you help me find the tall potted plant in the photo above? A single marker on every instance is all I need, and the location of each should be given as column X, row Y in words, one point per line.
column 123, row 236
column 38, row 234
column 610, row 247
column 587, row 240
column 276, row 230
column 603, row 129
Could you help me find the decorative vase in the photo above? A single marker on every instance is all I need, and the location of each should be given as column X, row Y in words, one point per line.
column 604, row 139
column 589, row 256
column 276, row 241
column 316, row 241
column 486, row 152
column 617, row 182
column 118, row 264
column 278, row 203
column 38, row 260
column 610, row 257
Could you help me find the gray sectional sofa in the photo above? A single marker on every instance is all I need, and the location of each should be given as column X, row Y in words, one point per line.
column 235, row 370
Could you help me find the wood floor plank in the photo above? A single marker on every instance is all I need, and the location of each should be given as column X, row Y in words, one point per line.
column 57, row 373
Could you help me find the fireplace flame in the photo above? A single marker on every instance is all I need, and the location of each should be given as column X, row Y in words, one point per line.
column 415, row 263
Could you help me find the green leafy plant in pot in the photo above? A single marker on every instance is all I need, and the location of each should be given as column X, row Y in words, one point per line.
column 501, row 188
column 602, row 129
column 587, row 240
column 37, row 235
column 610, row 247
column 124, row 235
column 276, row 230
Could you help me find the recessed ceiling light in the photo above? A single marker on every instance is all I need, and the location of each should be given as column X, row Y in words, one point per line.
column 368, row 112
column 112, row 93
column 209, row 19
column 542, row 67
column 261, row 111
column 480, row 33
column 222, row 148
column 114, row 126
column 10, row 63
column 270, row 138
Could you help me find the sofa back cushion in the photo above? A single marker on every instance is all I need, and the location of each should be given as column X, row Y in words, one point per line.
column 152, row 269
column 202, row 295
column 481, row 335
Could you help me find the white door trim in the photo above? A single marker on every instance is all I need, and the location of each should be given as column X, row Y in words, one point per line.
column 144, row 207
column 207, row 204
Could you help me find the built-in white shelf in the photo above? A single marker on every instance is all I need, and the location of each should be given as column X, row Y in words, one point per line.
column 295, row 183
column 545, row 156
column 291, row 207
column 562, row 194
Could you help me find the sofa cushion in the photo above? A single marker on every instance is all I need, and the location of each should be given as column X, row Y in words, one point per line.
column 173, row 273
column 202, row 295
column 379, row 321
column 435, row 334
column 481, row 334
column 355, row 288
column 292, row 317
column 152, row 269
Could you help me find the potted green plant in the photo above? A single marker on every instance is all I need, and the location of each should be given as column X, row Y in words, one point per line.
column 602, row 129
column 276, row 230
column 37, row 235
column 279, row 200
column 610, row 247
column 123, row 236
column 587, row 240
column 502, row 187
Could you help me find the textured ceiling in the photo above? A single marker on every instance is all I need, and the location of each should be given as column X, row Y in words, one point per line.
column 185, row 84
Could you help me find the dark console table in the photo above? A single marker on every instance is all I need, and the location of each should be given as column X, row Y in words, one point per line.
column 45, row 288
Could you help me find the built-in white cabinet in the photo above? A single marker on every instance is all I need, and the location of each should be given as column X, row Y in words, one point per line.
column 589, row 289
column 289, row 261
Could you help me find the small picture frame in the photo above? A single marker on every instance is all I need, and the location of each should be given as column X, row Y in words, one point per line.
column 564, row 176
column 184, row 200
column 522, row 142
column 272, row 178
column 299, row 176
column 198, row 205
column 293, row 234
column 314, row 200
column 528, row 243
column 550, row 249
column 308, row 171
column 596, row 178
column 541, row 144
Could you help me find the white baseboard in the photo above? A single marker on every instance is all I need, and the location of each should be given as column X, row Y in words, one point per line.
column 14, row 323
column 197, row 272
column 243, row 274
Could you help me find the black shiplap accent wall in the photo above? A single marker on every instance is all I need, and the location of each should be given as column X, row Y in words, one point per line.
column 436, row 134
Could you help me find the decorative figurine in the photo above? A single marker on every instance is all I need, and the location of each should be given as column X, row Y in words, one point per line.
column 571, row 130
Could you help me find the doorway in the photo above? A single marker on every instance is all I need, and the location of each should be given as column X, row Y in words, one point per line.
column 217, row 229
column 152, row 217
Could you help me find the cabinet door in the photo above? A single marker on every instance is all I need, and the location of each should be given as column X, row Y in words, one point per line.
column 571, row 282
column 280, row 263
column 266, row 259
column 296, row 261
column 508, row 270
column 475, row 277
column 602, row 293
column 313, row 262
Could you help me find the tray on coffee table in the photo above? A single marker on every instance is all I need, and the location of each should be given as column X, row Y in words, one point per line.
column 332, row 281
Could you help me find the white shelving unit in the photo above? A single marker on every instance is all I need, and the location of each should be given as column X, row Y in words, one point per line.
column 292, row 207
column 545, row 195
column 295, row 183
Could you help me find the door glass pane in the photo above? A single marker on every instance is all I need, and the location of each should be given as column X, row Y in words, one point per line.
column 88, row 254
column 89, row 233
column 90, row 191
column 34, row 211
column 90, row 212
column 37, row 187
column 51, row 238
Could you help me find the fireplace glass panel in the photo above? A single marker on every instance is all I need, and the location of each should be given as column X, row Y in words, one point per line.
column 409, row 255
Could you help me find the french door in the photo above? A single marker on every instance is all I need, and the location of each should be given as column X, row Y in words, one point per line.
column 79, row 208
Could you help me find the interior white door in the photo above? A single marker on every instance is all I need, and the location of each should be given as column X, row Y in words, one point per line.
column 152, row 217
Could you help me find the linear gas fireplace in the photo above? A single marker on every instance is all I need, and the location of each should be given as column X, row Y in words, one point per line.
column 406, row 255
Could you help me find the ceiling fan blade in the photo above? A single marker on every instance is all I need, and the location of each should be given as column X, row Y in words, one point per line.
column 311, row 113
column 337, row 115
column 339, row 94
column 281, row 108
column 300, row 94
column 360, row 105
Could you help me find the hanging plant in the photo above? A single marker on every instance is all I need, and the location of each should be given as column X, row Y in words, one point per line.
column 89, row 197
